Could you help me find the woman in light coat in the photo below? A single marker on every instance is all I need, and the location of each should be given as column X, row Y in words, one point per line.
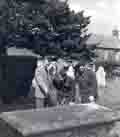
column 40, row 80
column 101, row 77
column 45, row 92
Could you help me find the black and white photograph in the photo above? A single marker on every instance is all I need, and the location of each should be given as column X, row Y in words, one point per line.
column 59, row 68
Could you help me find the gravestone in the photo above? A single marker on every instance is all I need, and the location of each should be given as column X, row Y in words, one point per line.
column 86, row 120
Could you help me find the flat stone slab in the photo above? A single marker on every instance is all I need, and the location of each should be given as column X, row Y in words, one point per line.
column 42, row 121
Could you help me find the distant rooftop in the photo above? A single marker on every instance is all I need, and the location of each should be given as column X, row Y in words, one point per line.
column 104, row 41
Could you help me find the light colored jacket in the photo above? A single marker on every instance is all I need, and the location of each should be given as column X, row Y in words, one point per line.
column 101, row 77
column 41, row 76
column 46, row 83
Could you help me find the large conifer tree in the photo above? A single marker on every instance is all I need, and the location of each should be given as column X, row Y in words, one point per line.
column 60, row 31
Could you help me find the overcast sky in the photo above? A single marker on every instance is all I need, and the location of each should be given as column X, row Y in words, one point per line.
column 105, row 14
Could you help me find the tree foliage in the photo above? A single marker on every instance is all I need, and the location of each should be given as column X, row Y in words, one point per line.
column 48, row 27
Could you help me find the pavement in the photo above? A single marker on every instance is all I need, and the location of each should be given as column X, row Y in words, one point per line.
column 110, row 97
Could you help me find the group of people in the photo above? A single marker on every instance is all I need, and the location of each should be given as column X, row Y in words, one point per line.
column 60, row 82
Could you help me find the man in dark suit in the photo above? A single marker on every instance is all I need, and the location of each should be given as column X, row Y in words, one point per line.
column 87, row 84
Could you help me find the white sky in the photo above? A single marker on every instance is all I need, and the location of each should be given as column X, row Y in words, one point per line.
column 105, row 14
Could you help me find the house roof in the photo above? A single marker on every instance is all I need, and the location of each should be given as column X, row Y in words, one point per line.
column 104, row 41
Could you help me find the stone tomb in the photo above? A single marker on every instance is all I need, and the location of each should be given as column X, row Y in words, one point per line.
column 87, row 120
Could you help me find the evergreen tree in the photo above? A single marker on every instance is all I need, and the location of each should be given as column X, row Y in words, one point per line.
column 48, row 27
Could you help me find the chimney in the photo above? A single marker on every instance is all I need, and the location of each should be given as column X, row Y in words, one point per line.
column 115, row 33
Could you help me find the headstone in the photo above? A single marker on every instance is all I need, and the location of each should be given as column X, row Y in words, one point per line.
column 86, row 120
